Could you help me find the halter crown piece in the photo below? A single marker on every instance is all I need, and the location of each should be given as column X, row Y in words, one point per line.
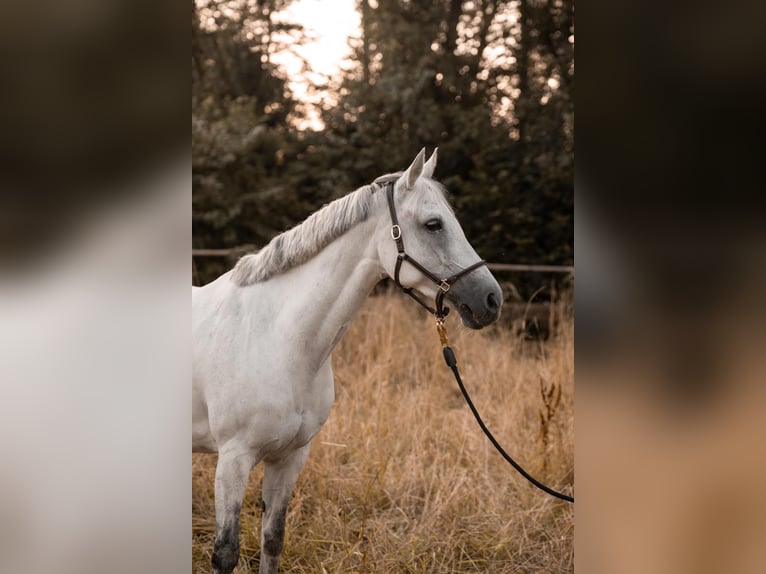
column 444, row 285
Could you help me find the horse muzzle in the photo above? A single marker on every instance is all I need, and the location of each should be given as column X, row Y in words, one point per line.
column 477, row 307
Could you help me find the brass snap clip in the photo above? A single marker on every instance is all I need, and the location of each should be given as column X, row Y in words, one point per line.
column 442, row 330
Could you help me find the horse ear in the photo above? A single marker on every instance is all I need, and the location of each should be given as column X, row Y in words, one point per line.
column 428, row 168
column 413, row 172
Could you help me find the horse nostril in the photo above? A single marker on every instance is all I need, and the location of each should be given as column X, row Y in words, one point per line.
column 492, row 302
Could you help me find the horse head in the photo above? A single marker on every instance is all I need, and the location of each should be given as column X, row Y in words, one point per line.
column 423, row 241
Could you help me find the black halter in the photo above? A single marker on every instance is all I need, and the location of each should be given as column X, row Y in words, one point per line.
column 443, row 285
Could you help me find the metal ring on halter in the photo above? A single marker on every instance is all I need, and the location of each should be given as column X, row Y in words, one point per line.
column 396, row 232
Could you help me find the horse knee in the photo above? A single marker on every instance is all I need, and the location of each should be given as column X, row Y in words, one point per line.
column 274, row 534
column 225, row 551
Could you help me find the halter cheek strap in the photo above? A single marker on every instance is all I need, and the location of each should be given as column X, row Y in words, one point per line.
column 443, row 284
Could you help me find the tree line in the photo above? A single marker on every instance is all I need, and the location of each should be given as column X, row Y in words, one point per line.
column 489, row 82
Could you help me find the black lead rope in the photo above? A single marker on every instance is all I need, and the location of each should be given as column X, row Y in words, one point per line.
column 451, row 360
column 440, row 312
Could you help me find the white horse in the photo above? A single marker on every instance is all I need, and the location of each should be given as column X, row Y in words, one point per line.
column 263, row 334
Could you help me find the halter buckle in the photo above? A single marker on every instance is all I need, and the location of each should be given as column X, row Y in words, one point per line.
column 396, row 232
column 444, row 285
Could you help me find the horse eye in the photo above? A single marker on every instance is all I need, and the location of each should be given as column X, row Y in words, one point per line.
column 434, row 225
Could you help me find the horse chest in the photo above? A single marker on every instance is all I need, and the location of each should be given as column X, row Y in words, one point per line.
column 292, row 415
column 316, row 403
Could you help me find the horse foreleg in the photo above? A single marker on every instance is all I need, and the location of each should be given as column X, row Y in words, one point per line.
column 231, row 475
column 278, row 482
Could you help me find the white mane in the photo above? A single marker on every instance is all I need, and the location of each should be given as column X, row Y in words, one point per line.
column 305, row 240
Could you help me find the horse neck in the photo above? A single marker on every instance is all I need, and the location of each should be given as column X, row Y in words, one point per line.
column 328, row 290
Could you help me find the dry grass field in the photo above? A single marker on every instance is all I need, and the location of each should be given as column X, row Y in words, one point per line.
column 401, row 479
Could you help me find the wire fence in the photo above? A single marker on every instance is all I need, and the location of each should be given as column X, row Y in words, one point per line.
column 514, row 267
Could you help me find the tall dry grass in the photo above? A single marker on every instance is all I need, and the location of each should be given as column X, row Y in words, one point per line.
column 401, row 479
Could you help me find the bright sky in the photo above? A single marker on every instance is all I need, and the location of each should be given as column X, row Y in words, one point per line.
column 329, row 23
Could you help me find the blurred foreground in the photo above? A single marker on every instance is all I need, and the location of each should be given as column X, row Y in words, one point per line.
column 94, row 391
column 670, row 403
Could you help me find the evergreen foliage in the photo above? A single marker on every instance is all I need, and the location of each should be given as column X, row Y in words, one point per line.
column 489, row 82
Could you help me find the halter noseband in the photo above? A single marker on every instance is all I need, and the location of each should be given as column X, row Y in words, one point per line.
column 443, row 285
